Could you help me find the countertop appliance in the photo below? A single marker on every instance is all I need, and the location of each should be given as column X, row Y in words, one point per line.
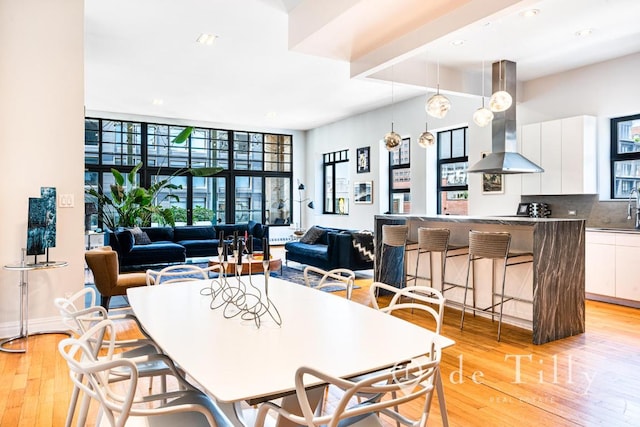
column 539, row 210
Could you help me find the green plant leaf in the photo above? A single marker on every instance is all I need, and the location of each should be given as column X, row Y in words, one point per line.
column 182, row 136
column 117, row 176
column 205, row 171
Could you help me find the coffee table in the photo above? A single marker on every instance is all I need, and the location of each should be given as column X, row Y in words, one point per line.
column 255, row 265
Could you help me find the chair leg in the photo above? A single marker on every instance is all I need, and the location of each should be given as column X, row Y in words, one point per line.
column 466, row 289
column 504, row 277
column 104, row 301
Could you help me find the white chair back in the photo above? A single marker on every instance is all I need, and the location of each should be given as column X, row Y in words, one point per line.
column 425, row 298
column 179, row 273
column 388, row 389
column 345, row 278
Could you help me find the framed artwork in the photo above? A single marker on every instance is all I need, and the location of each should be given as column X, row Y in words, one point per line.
column 363, row 160
column 363, row 192
column 492, row 183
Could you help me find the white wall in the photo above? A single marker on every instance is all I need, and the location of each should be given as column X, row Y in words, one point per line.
column 41, row 145
column 604, row 90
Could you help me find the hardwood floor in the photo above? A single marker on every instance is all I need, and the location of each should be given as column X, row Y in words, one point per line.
column 590, row 379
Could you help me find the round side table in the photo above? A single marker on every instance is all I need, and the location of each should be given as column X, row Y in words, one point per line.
column 24, row 269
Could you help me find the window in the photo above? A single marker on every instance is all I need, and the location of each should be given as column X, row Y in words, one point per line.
column 625, row 155
column 400, row 178
column 336, row 182
column 256, row 168
column 453, row 161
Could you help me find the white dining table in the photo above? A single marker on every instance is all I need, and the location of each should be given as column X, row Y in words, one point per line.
column 233, row 360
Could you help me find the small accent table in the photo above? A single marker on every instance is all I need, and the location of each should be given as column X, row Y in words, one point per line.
column 255, row 266
column 24, row 269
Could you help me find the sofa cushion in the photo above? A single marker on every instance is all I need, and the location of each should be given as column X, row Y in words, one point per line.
column 155, row 253
column 256, row 229
column 194, row 232
column 228, row 229
column 312, row 235
column 200, row 247
column 124, row 241
column 318, row 251
column 140, row 237
column 156, row 234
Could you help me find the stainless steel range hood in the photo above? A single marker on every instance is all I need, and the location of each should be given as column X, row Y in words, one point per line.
column 503, row 157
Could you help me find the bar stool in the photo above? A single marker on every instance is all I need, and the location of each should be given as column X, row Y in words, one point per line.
column 494, row 246
column 431, row 240
column 393, row 236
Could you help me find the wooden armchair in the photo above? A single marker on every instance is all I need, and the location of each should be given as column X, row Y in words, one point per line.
column 103, row 263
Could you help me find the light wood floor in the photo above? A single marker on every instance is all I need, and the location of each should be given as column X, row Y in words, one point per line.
column 590, row 379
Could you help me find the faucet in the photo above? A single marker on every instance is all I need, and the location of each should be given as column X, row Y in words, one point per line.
column 637, row 207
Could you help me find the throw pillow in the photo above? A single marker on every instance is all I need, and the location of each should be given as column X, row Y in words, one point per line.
column 312, row 235
column 363, row 244
column 140, row 237
column 123, row 241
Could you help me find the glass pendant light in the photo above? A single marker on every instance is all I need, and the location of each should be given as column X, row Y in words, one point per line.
column 500, row 100
column 426, row 138
column 482, row 116
column 438, row 105
column 392, row 140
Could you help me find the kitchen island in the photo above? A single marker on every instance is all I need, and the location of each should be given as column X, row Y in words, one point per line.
column 554, row 281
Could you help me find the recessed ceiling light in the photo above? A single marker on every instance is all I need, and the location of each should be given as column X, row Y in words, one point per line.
column 206, row 39
column 158, row 101
column 584, row 32
column 458, row 42
column 530, row 13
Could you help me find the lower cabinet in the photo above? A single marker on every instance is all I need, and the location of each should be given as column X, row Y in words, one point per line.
column 610, row 269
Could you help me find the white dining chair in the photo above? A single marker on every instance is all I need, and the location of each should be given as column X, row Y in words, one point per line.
column 143, row 351
column 388, row 390
column 179, row 273
column 92, row 375
column 425, row 298
column 318, row 278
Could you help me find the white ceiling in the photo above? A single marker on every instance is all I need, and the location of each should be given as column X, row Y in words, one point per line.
column 299, row 64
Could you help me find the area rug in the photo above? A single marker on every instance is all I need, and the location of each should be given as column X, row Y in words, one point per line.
column 290, row 274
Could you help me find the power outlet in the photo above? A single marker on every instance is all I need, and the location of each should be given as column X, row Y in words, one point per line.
column 572, row 212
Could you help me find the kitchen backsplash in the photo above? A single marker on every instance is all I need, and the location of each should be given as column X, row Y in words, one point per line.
column 610, row 213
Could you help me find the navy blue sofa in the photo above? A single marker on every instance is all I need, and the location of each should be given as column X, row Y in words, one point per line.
column 173, row 245
column 333, row 248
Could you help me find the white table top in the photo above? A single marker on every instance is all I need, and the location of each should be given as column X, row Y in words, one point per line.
column 234, row 361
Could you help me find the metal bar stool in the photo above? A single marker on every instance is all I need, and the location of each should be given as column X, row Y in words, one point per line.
column 393, row 236
column 494, row 246
column 431, row 240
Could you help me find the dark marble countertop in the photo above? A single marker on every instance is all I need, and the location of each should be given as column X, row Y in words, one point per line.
column 504, row 220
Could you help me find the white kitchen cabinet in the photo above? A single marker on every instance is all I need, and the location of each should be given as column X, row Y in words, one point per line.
column 627, row 280
column 566, row 150
column 610, row 266
column 600, row 263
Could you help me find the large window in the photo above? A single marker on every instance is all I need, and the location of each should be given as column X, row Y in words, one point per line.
column 453, row 161
column 400, row 178
column 625, row 155
column 256, row 166
column 336, row 182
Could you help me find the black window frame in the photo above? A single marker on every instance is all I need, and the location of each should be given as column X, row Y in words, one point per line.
column 93, row 138
column 440, row 161
column 399, row 165
column 330, row 160
column 616, row 156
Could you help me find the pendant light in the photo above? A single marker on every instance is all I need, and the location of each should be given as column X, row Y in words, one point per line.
column 438, row 105
column 482, row 116
column 500, row 100
column 426, row 138
column 392, row 140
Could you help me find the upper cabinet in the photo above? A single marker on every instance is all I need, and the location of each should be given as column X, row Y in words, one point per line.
column 566, row 150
